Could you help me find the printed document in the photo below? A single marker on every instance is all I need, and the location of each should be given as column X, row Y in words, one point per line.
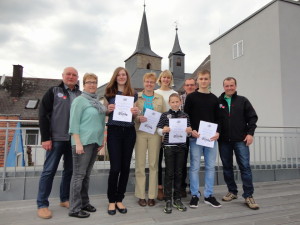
column 123, row 104
column 206, row 131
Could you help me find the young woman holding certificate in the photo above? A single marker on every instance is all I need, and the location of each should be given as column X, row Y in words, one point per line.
column 147, row 142
column 121, row 137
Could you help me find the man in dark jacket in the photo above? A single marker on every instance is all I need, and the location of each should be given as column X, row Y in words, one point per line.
column 237, row 125
column 54, row 116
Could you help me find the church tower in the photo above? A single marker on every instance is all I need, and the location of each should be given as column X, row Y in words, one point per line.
column 176, row 59
column 143, row 58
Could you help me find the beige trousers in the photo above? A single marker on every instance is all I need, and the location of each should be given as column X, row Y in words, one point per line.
column 150, row 143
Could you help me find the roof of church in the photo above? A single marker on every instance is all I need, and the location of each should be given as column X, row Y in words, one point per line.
column 176, row 47
column 143, row 44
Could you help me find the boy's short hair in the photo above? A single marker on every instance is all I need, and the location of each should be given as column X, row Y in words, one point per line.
column 174, row 95
column 204, row 71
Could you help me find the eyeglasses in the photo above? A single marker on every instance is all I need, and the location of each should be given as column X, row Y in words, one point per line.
column 149, row 82
column 91, row 82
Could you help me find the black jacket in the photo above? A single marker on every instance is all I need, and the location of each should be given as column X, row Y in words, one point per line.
column 240, row 121
column 54, row 113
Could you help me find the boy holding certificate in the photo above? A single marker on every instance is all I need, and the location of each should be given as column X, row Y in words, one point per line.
column 174, row 126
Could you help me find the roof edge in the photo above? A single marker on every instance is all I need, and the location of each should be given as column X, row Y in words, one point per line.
column 244, row 20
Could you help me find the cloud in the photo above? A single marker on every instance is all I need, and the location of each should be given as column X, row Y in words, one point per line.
column 98, row 35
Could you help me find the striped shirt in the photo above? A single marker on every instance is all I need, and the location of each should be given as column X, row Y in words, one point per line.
column 164, row 121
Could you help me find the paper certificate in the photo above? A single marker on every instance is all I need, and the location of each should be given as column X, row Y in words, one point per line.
column 206, row 131
column 152, row 120
column 177, row 130
column 123, row 104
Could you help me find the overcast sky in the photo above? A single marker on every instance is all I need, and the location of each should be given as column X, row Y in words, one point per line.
column 44, row 36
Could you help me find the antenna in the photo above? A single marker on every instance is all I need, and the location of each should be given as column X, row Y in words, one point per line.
column 2, row 79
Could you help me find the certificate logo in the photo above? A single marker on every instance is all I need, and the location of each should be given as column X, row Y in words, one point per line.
column 124, row 99
column 148, row 126
column 205, row 139
column 177, row 136
column 122, row 113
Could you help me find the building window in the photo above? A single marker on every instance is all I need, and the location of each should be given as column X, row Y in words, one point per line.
column 32, row 137
column 32, row 104
column 238, row 49
column 178, row 61
column 149, row 66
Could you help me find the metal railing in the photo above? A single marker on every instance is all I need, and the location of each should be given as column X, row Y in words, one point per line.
column 273, row 148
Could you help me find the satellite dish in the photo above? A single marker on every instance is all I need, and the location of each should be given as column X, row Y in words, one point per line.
column 2, row 79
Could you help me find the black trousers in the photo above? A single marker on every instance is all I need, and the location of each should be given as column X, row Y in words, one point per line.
column 174, row 160
column 160, row 169
column 120, row 144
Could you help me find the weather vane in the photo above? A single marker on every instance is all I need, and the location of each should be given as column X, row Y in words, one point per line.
column 176, row 25
column 144, row 5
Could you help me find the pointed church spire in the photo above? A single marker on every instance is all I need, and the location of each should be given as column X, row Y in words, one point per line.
column 143, row 44
column 176, row 47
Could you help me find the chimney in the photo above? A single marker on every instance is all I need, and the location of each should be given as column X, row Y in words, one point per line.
column 16, row 86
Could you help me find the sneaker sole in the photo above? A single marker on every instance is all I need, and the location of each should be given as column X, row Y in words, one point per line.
column 181, row 210
column 168, row 212
column 193, row 206
column 215, row 206
column 225, row 200
column 251, row 208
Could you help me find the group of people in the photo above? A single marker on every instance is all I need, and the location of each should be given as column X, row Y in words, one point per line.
column 72, row 125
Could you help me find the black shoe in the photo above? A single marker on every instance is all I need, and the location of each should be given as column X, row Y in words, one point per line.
column 179, row 205
column 89, row 208
column 212, row 201
column 111, row 212
column 168, row 207
column 123, row 211
column 80, row 214
column 194, row 201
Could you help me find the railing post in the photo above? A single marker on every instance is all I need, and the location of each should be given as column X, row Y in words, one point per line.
column 3, row 185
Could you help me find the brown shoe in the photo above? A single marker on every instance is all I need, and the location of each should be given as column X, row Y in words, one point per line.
column 251, row 203
column 44, row 213
column 151, row 202
column 142, row 202
column 65, row 204
column 160, row 194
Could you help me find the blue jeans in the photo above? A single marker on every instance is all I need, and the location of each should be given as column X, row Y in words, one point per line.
column 242, row 155
column 210, row 155
column 53, row 157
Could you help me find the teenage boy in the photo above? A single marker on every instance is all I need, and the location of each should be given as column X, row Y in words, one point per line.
column 174, row 155
column 202, row 105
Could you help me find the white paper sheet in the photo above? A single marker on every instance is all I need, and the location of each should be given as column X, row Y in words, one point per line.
column 152, row 120
column 123, row 104
column 206, row 131
column 177, row 130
